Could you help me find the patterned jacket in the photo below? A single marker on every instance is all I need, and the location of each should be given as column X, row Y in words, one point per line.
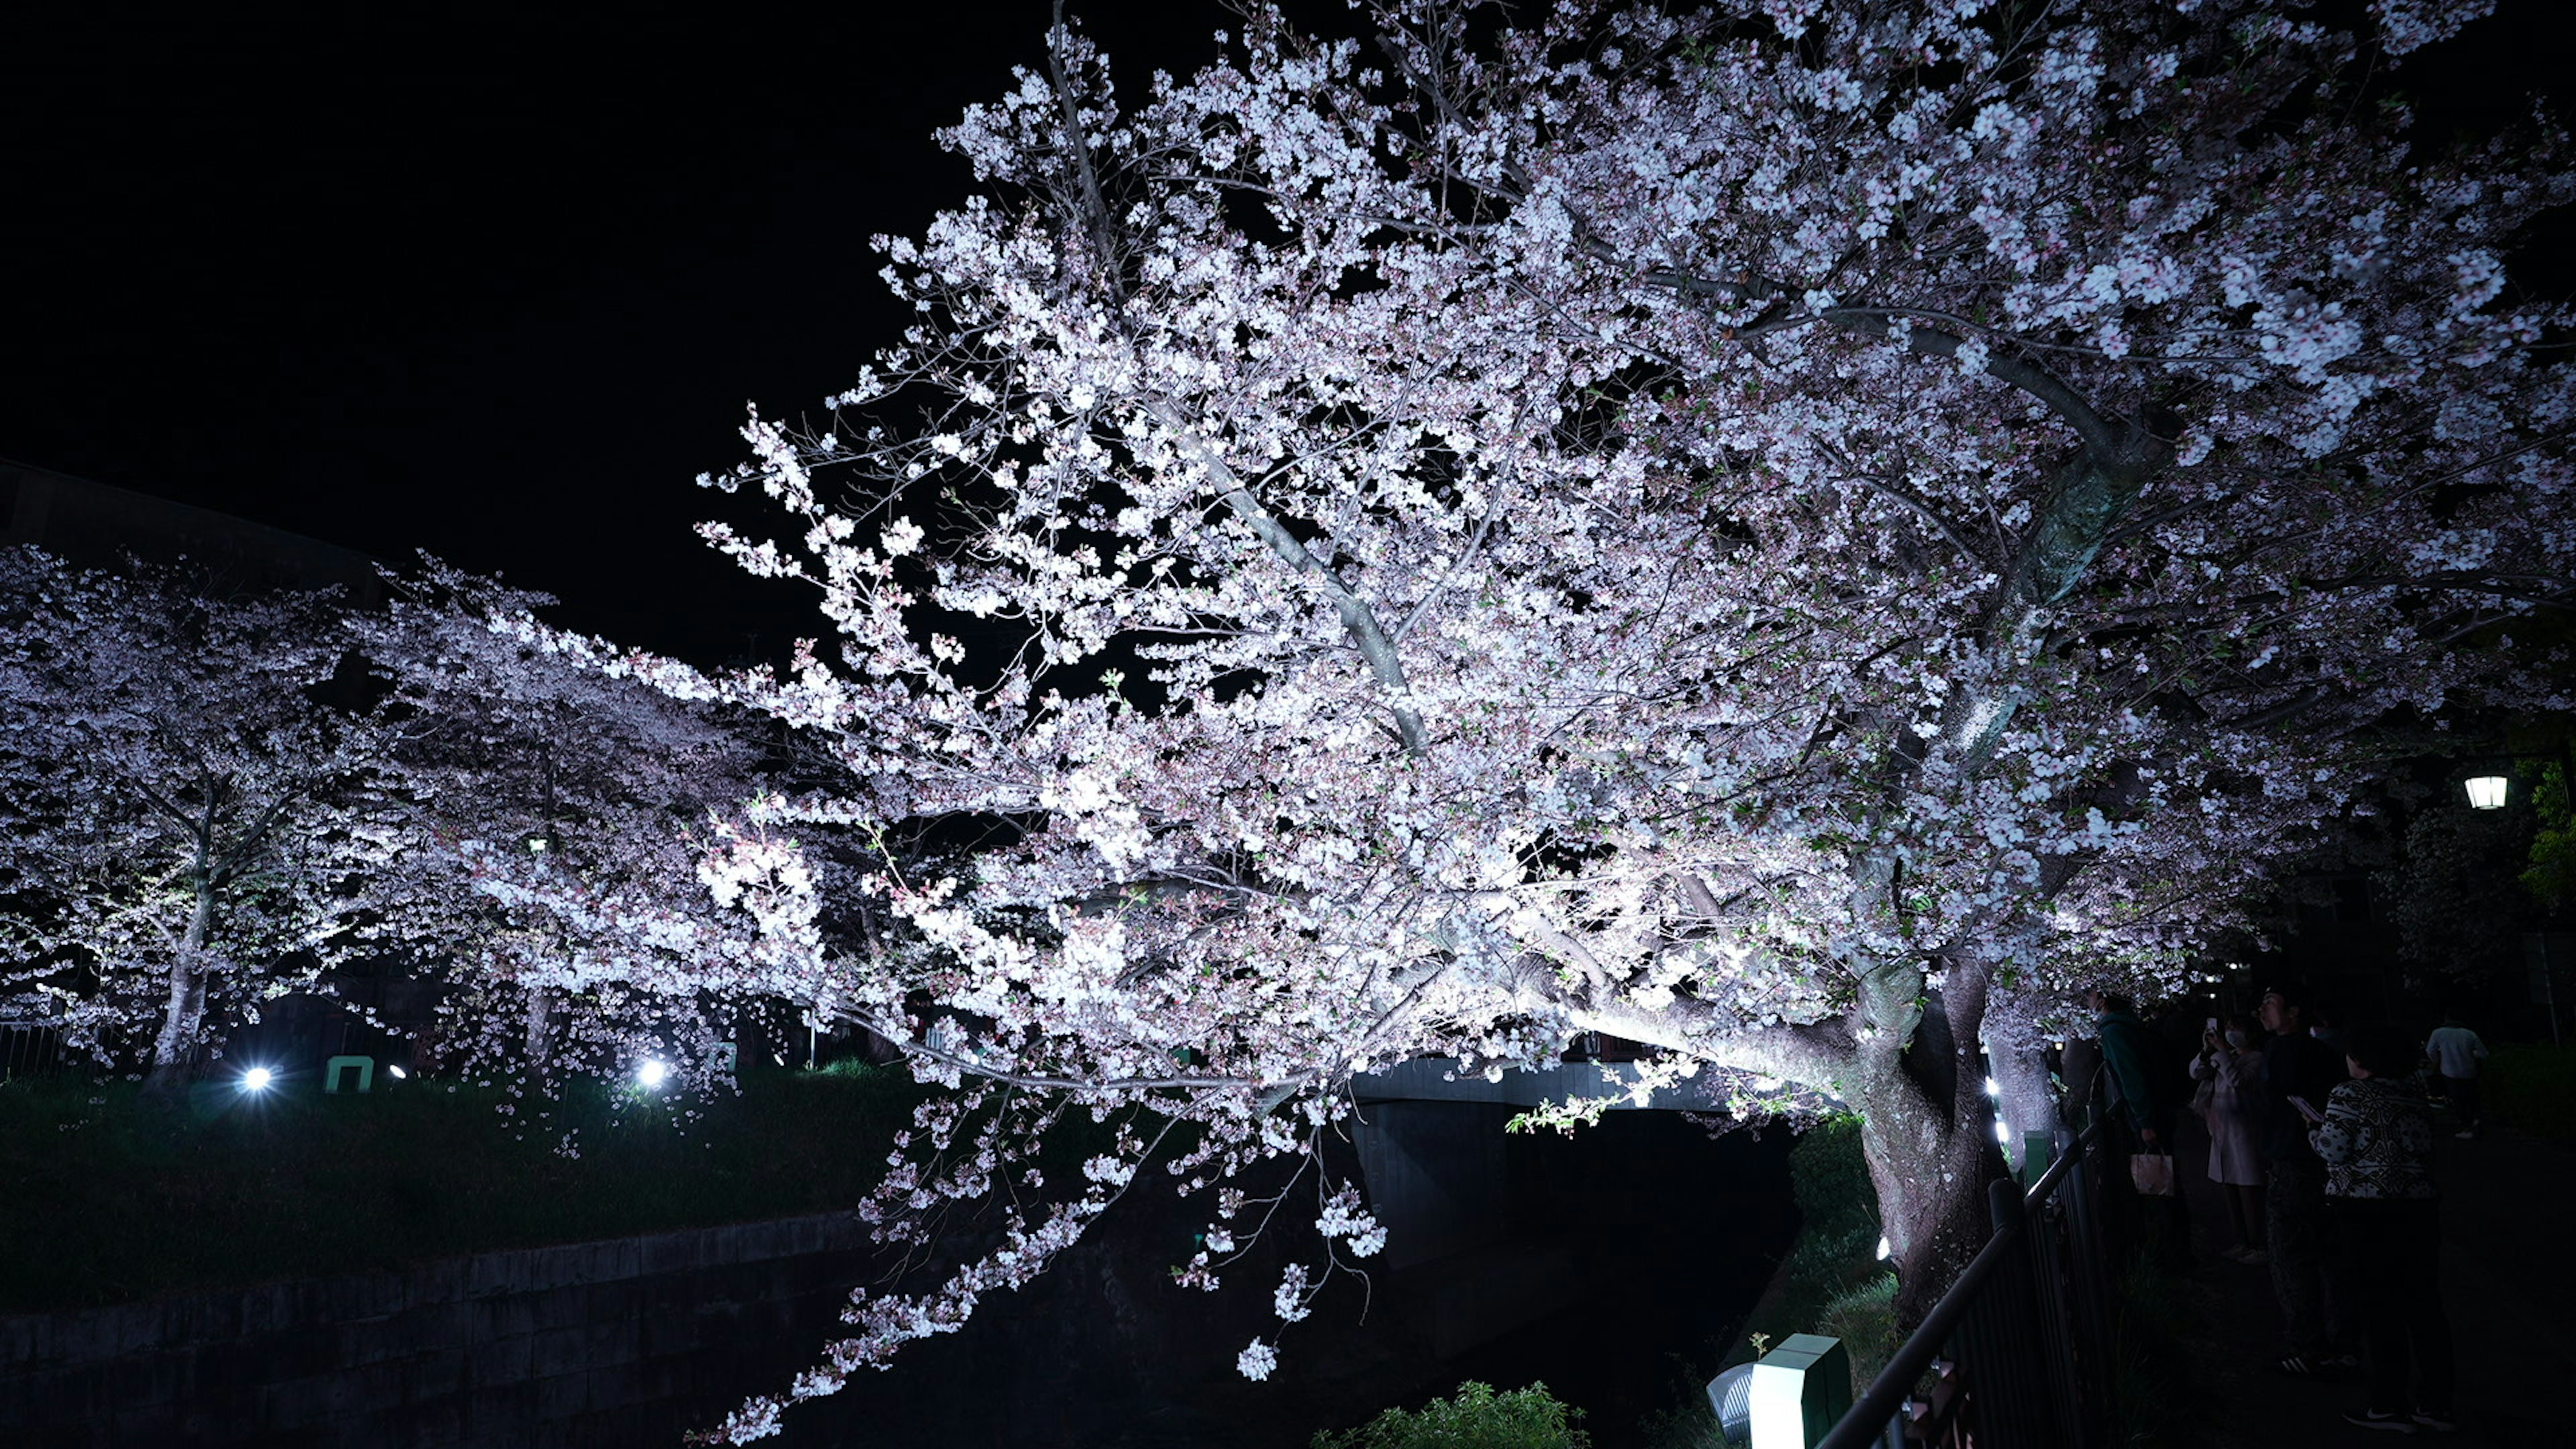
column 2376, row 1140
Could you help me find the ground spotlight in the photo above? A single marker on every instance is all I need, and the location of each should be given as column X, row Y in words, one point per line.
column 399, row 1073
column 257, row 1079
column 652, row 1073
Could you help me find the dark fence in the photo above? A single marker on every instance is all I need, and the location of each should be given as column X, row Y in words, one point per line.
column 2017, row 1354
column 29, row 1048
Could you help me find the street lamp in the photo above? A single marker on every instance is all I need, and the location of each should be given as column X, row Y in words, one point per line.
column 2486, row 792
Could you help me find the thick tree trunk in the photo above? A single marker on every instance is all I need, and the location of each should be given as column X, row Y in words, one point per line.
column 2025, row 1100
column 1931, row 1180
column 185, row 1011
column 1925, row 1126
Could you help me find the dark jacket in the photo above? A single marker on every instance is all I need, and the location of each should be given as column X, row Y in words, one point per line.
column 2296, row 1066
column 2127, row 1054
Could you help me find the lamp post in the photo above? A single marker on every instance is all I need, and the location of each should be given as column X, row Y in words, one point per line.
column 2492, row 783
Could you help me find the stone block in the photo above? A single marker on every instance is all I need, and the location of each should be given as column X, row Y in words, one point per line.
column 546, row 1267
column 143, row 1424
column 25, row 1340
column 441, row 1281
column 557, row 1351
column 726, row 1244
column 223, row 1369
column 146, row 1380
column 667, row 1333
column 363, row 1341
column 62, row 1396
column 432, row 1374
column 628, row 1255
column 211, row 1318
column 380, row 1294
column 500, row 1361
column 487, row 1274
column 503, row 1414
column 610, row 1340
column 267, row 1308
column 669, row 1252
column 601, row 1302
column 562, row 1397
column 84, row 1338
column 439, row 1425
column 613, row 1386
column 146, row 1327
column 450, row 1323
column 298, row 1403
column 562, row 1307
column 514, row 1313
column 376, row 1388
column 308, row 1348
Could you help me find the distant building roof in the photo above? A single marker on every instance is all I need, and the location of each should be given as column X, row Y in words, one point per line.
column 98, row 525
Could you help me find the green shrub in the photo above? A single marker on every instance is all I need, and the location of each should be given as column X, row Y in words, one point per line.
column 1831, row 1283
column 1478, row 1418
column 2533, row 1088
column 1863, row 1316
column 1836, row 1254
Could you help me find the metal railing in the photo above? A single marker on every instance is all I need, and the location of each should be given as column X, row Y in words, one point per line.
column 29, row 1048
column 2019, row 1349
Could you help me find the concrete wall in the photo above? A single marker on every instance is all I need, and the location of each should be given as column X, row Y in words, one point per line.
column 622, row 1343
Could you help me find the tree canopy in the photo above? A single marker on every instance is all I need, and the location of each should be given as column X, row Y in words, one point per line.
column 1786, row 532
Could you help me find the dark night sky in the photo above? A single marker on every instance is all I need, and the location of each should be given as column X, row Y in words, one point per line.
column 495, row 280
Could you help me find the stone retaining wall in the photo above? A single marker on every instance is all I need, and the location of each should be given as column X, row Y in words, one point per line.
column 624, row 1343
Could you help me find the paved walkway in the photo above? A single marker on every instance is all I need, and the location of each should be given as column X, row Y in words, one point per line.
column 2508, row 1280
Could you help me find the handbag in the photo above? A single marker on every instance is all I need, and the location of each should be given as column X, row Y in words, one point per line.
column 2152, row 1174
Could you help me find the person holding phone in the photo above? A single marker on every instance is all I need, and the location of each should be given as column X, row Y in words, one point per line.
column 2231, row 1063
column 2298, row 1072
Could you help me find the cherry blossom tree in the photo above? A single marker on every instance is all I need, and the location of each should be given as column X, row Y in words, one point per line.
column 178, row 832
column 1794, row 534
column 212, row 798
column 539, row 817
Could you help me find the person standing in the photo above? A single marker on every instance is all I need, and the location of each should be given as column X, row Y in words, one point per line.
column 2299, row 1072
column 2456, row 1051
column 2231, row 1063
column 2377, row 1144
column 2131, row 1055
column 2127, row 1058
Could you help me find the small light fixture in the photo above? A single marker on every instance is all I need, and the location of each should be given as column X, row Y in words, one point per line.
column 1993, row 1088
column 1883, row 1249
column 652, row 1073
column 399, row 1073
column 2486, row 792
column 2003, row 1134
column 539, row 843
column 257, row 1079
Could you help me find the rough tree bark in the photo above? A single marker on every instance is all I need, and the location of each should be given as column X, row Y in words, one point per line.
column 185, row 1011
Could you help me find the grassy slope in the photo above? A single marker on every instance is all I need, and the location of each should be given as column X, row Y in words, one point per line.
column 102, row 1200
column 2533, row 1088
